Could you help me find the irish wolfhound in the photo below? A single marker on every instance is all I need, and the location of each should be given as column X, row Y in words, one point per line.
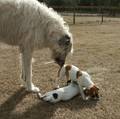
column 31, row 25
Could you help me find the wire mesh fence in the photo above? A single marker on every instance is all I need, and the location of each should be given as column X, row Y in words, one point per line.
column 88, row 14
column 83, row 19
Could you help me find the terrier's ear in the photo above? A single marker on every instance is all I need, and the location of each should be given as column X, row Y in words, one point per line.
column 67, row 68
column 78, row 74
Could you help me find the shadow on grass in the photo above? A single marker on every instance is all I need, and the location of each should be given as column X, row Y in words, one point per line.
column 41, row 110
column 8, row 106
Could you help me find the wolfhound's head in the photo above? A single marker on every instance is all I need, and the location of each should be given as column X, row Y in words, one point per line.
column 60, row 42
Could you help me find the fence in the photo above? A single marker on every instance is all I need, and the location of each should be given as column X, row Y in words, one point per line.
column 99, row 12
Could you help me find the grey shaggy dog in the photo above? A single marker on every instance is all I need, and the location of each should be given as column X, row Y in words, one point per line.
column 31, row 25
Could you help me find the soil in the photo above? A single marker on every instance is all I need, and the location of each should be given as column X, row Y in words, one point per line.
column 96, row 50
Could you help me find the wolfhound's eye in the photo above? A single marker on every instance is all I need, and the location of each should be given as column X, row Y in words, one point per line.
column 67, row 37
column 65, row 40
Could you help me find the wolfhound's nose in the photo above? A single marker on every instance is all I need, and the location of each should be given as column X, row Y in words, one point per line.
column 67, row 42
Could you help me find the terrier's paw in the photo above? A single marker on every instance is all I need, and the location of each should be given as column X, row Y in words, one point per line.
column 84, row 98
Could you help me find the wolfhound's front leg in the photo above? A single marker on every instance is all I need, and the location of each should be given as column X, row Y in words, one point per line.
column 27, row 70
column 22, row 73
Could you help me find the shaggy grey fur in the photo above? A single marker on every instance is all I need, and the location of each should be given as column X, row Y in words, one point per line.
column 31, row 25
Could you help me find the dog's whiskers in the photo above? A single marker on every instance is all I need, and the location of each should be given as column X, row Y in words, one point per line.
column 50, row 62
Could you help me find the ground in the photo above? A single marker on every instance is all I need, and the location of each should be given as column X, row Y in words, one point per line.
column 96, row 50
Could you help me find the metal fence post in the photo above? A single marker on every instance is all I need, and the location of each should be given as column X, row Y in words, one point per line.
column 74, row 14
column 102, row 19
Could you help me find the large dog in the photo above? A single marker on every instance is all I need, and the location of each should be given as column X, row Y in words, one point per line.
column 31, row 25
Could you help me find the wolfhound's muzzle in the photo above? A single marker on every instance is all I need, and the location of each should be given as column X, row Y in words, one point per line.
column 59, row 61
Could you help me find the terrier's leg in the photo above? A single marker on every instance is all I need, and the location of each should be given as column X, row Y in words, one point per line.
column 82, row 92
column 22, row 73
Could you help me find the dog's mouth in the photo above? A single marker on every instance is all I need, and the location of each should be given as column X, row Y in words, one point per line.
column 60, row 62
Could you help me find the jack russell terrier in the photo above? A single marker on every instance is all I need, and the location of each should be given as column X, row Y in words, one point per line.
column 73, row 73
column 61, row 94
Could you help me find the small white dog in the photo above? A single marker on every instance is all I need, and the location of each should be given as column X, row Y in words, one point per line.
column 61, row 94
column 73, row 73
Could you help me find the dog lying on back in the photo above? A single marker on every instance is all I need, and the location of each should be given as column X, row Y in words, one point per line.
column 73, row 74
column 61, row 94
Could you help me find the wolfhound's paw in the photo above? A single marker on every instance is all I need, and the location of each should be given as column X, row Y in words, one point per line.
column 33, row 89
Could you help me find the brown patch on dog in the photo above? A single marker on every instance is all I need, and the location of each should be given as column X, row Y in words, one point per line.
column 67, row 69
column 78, row 74
column 92, row 92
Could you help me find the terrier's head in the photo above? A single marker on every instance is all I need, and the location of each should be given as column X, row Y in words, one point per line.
column 92, row 92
